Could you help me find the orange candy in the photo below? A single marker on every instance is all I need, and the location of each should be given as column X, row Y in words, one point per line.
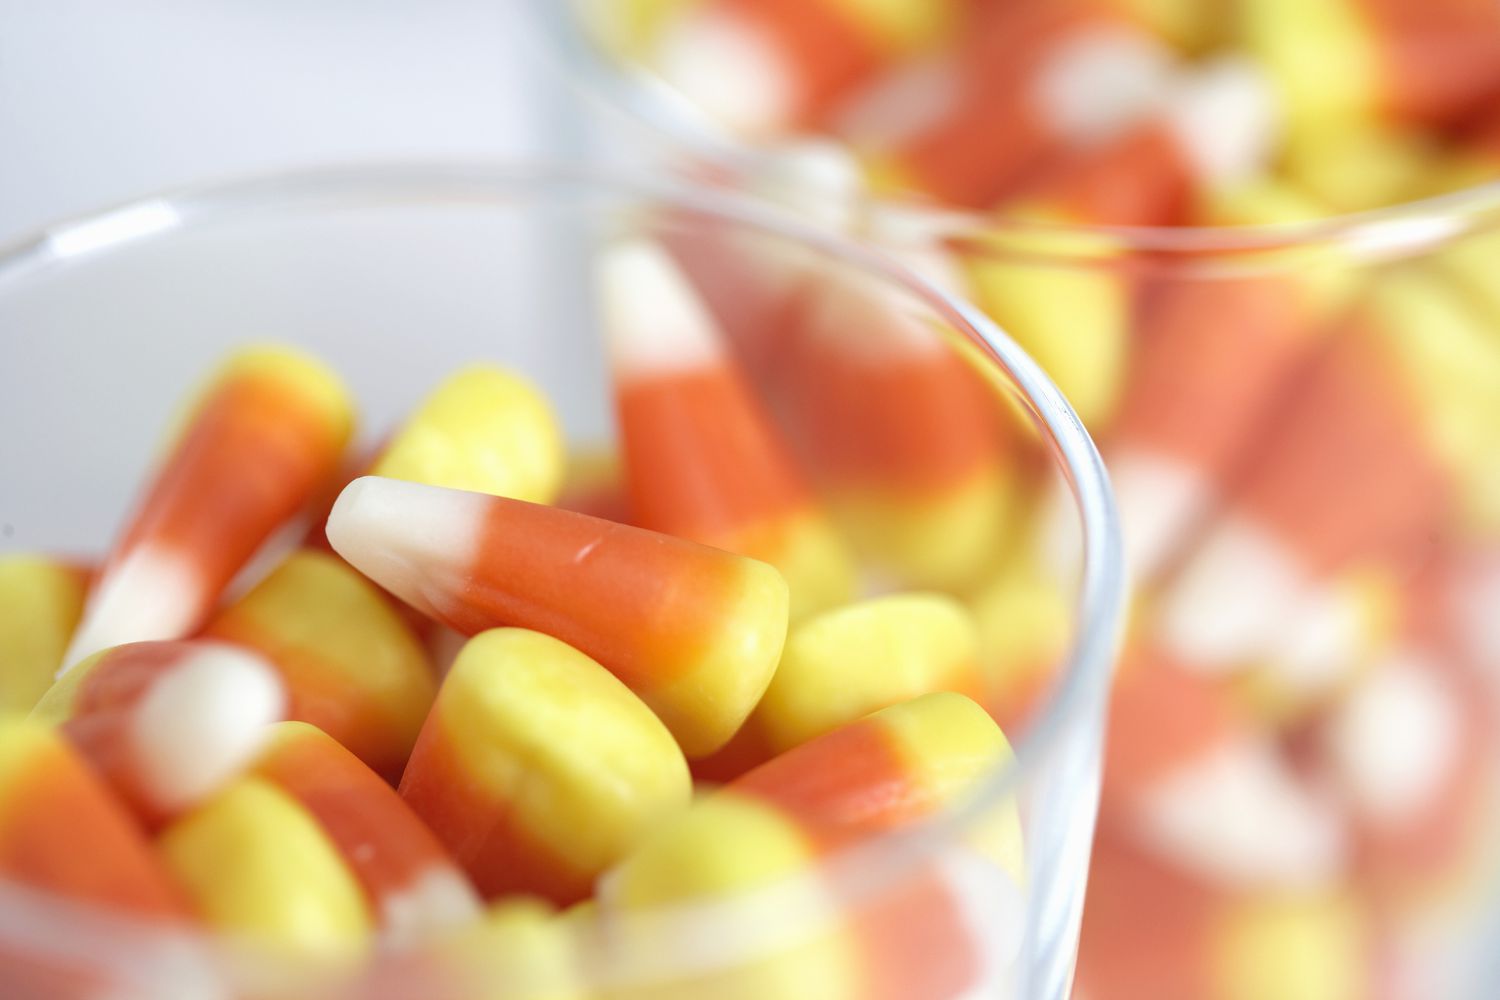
column 257, row 448
column 167, row 723
column 412, row 885
column 695, row 632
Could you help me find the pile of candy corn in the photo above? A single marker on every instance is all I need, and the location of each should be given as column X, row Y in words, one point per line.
column 450, row 735
column 1302, row 424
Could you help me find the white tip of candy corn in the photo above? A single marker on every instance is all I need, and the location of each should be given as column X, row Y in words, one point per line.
column 414, row 540
column 203, row 722
column 1221, row 611
column 728, row 69
column 149, row 595
column 440, row 899
column 1394, row 739
column 1100, row 81
column 1227, row 120
column 1240, row 817
column 653, row 319
column 1160, row 500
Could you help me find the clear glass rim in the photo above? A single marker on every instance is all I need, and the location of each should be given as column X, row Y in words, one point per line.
column 639, row 95
column 1083, row 678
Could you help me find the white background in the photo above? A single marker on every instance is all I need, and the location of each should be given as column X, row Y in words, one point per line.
column 101, row 100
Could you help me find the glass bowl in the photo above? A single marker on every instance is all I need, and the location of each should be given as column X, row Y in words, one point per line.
column 396, row 275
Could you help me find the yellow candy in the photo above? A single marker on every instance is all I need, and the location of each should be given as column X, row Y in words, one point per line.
column 41, row 601
column 900, row 25
column 257, row 865
column 1309, row 948
column 1320, row 56
column 1354, row 167
column 845, row 663
column 351, row 664
column 521, row 950
column 942, row 539
column 1450, row 358
column 1072, row 314
column 782, row 942
column 1025, row 622
column 484, row 430
column 530, row 730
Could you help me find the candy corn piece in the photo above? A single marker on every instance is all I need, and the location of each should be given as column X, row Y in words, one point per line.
column 411, row 884
column 1447, row 355
column 538, row 769
column 1410, row 749
column 265, row 436
column 702, row 459
column 258, row 867
column 749, row 857
column 906, row 438
column 765, row 66
column 62, row 831
column 1210, row 361
column 483, row 429
column 1217, row 128
column 1150, row 932
column 350, row 664
column 1024, row 619
column 695, row 632
column 1029, row 80
column 848, row 662
column 1425, row 61
column 1059, row 296
column 1190, row 778
column 1347, row 477
column 167, row 723
column 41, row 600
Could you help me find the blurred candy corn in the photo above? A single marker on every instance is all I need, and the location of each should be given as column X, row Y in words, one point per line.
column 702, row 458
column 167, row 723
column 266, row 434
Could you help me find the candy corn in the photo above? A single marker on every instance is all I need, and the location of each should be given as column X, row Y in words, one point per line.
column 702, row 460
column 1189, row 777
column 168, row 723
column 751, row 851
column 1217, row 128
column 256, row 448
column 1150, row 933
column 1347, row 478
column 411, row 885
column 1429, row 62
column 257, row 866
column 1029, row 79
column 693, row 631
column 41, row 600
column 483, row 429
column 538, row 769
column 1212, row 359
column 350, row 664
column 63, row 831
column 853, row 660
column 901, row 431
column 764, row 65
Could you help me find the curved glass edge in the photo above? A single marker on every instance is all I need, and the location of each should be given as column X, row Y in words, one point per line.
column 1082, row 684
column 1416, row 225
